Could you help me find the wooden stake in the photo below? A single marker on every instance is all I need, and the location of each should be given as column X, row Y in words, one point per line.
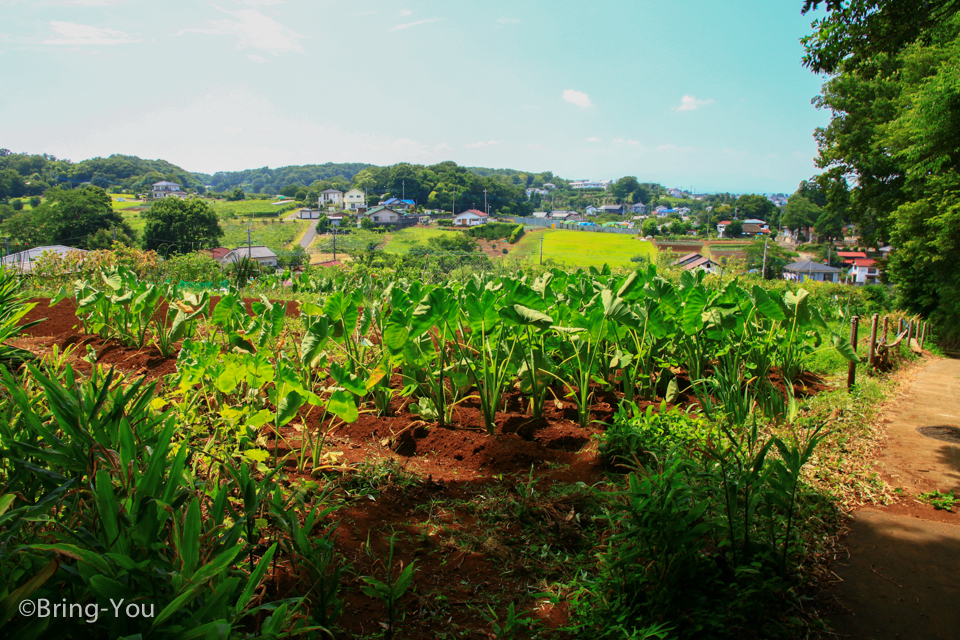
column 923, row 336
column 852, row 367
column 872, row 355
column 886, row 329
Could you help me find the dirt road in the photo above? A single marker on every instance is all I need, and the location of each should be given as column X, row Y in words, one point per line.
column 902, row 580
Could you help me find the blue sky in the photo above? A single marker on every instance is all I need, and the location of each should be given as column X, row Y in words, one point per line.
column 691, row 93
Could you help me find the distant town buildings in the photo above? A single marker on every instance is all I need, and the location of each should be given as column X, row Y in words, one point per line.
column 589, row 184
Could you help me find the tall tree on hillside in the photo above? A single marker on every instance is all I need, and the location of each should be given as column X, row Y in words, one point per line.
column 799, row 212
column 177, row 226
column 891, row 147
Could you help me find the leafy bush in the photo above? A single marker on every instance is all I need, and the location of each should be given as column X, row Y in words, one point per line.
column 445, row 222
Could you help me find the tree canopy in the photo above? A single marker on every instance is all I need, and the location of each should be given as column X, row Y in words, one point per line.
column 891, row 153
column 179, row 226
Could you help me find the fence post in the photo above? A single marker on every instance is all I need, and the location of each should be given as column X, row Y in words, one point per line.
column 886, row 329
column 923, row 336
column 852, row 367
column 872, row 358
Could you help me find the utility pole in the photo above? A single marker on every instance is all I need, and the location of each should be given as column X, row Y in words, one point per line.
column 763, row 270
column 485, row 208
column 403, row 189
column 454, row 202
column 334, row 243
column 541, row 249
column 249, row 245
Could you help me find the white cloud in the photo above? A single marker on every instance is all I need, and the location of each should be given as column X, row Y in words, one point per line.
column 477, row 145
column 622, row 141
column 689, row 103
column 578, row 98
column 534, row 146
column 78, row 34
column 593, row 139
column 509, row 20
column 255, row 58
column 406, row 12
column 413, row 24
column 253, row 30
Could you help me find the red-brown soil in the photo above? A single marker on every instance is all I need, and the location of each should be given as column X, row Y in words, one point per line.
column 438, row 480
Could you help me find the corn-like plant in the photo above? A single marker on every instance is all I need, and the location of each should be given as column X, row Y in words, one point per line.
column 391, row 588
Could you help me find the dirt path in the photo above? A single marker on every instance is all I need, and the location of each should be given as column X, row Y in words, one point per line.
column 902, row 579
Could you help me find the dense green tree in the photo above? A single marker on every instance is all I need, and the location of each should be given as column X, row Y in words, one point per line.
column 734, row 229
column 76, row 214
column 799, row 212
column 650, row 227
column 756, row 206
column 890, row 155
column 176, row 226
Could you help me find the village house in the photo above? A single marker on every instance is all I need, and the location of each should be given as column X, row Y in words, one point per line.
column 540, row 214
column 810, row 270
column 592, row 210
column 638, row 208
column 165, row 189
column 612, row 208
column 23, row 260
column 331, row 198
column 470, row 218
column 850, row 256
column 864, row 271
column 217, row 254
column 695, row 261
column 310, row 214
column 354, row 200
column 381, row 216
column 259, row 253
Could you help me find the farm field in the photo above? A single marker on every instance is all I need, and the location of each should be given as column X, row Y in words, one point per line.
column 249, row 208
column 402, row 241
column 360, row 448
column 275, row 235
column 582, row 248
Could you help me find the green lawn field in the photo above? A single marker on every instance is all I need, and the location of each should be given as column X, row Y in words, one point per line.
column 583, row 248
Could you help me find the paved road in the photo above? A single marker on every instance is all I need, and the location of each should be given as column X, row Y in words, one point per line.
column 902, row 579
column 310, row 234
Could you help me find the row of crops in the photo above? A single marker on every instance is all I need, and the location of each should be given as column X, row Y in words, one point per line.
column 114, row 490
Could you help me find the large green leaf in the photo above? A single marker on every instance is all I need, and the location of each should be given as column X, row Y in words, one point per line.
column 341, row 405
column 769, row 307
column 844, row 348
column 692, row 319
column 517, row 314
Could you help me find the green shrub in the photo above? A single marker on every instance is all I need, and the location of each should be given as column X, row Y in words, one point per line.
column 444, row 222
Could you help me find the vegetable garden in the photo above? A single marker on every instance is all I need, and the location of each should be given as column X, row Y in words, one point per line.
column 554, row 454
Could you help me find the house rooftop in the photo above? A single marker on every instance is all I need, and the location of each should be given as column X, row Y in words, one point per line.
column 851, row 254
column 809, row 266
column 256, row 251
column 474, row 212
